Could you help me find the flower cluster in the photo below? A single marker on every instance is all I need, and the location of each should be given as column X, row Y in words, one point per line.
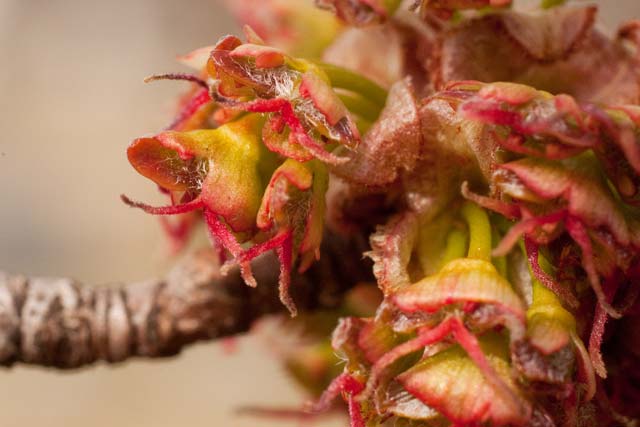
column 258, row 173
column 503, row 217
column 462, row 342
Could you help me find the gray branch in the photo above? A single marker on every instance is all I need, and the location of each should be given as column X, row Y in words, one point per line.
column 63, row 324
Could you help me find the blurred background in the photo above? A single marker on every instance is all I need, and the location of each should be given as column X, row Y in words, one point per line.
column 71, row 99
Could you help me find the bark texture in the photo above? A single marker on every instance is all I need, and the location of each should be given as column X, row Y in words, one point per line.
column 64, row 324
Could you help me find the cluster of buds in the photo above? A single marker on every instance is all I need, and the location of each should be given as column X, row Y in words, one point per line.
column 462, row 342
column 504, row 220
column 249, row 150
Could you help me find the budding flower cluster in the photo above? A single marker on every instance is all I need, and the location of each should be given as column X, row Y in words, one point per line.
column 502, row 215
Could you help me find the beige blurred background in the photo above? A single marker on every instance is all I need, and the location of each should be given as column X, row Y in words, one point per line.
column 71, row 99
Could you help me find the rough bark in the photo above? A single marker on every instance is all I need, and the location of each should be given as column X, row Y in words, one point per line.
column 63, row 324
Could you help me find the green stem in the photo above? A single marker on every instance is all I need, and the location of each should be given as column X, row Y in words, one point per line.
column 346, row 79
column 455, row 246
column 479, row 231
column 360, row 106
column 499, row 262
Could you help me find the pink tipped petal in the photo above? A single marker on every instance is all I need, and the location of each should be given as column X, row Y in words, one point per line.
column 168, row 169
column 174, row 141
column 463, row 280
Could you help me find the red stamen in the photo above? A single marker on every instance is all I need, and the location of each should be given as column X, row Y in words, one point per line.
column 177, row 76
column 191, row 206
column 508, row 210
column 470, row 344
column 260, row 248
column 599, row 326
column 579, row 234
column 564, row 294
column 355, row 412
column 283, row 107
column 595, row 340
column 201, row 98
column 221, row 233
column 343, row 383
column 425, row 337
column 525, row 226
column 282, row 243
column 285, row 256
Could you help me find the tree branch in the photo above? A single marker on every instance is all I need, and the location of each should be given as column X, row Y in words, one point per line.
column 63, row 324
